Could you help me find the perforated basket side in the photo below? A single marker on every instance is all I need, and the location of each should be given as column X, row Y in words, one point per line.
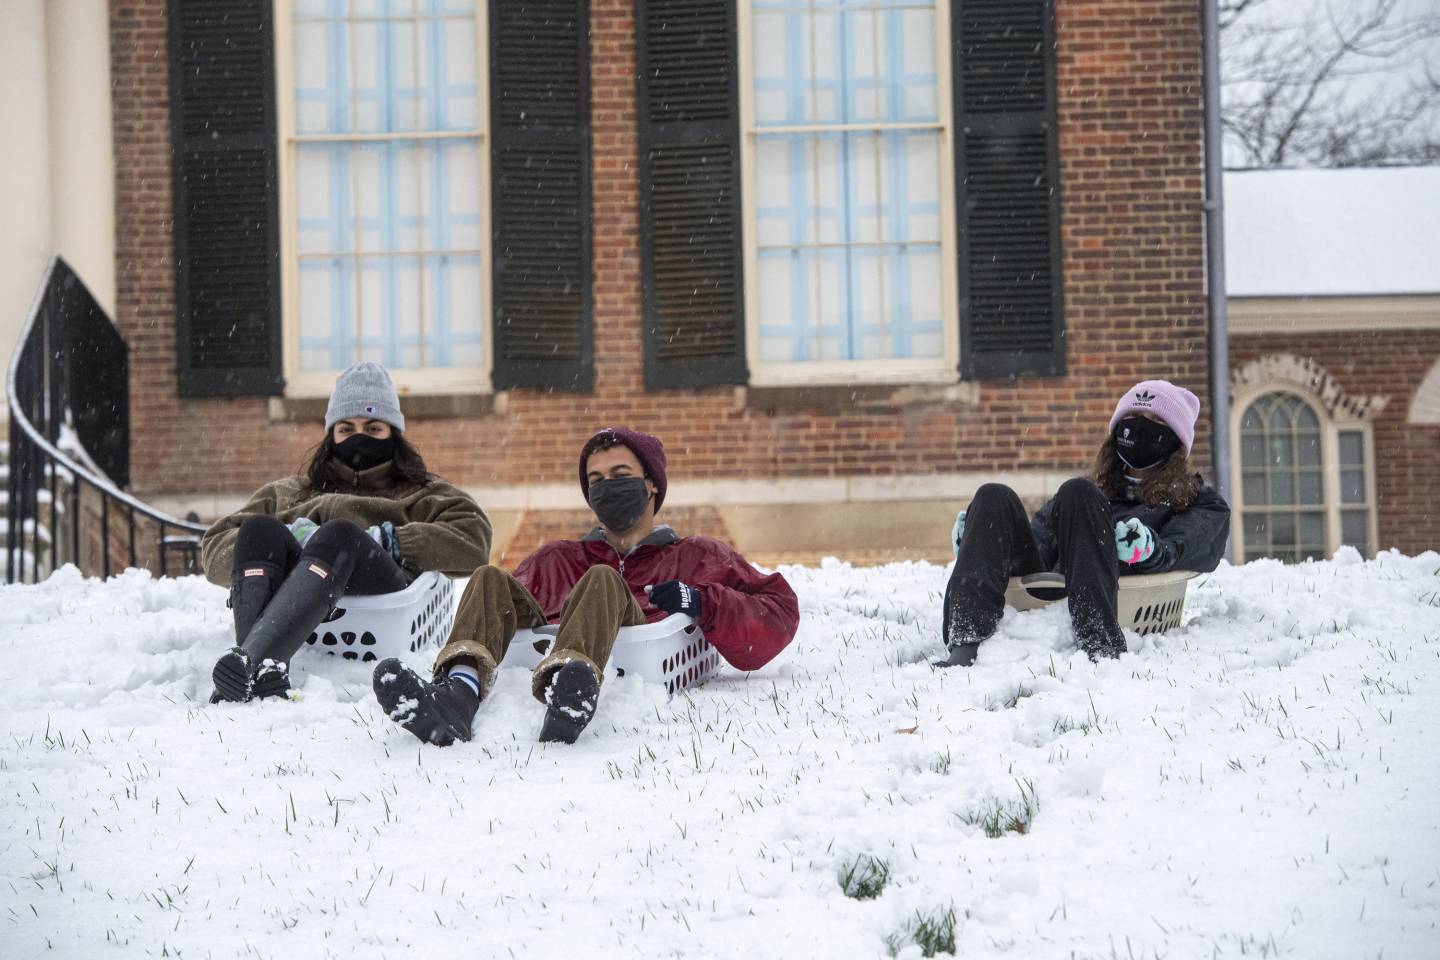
column 673, row 652
column 1156, row 612
column 1149, row 603
column 431, row 625
column 696, row 662
column 333, row 638
column 371, row 627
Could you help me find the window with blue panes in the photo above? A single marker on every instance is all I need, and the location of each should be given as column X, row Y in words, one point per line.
column 847, row 181
column 386, row 167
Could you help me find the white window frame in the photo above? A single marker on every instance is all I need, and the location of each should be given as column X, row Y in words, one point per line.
column 943, row 369
column 414, row 381
column 1331, row 426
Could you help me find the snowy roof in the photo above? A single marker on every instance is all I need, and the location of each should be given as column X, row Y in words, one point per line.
column 1351, row 232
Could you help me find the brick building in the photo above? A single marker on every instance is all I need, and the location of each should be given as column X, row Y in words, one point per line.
column 849, row 259
column 1334, row 301
column 848, row 263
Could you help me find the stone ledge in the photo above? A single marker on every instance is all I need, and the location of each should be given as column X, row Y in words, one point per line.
column 869, row 397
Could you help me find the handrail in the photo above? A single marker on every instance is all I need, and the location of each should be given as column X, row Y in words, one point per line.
column 97, row 480
column 64, row 330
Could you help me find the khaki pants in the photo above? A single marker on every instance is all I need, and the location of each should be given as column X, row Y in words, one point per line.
column 495, row 605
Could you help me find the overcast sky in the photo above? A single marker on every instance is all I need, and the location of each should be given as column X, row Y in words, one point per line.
column 1308, row 31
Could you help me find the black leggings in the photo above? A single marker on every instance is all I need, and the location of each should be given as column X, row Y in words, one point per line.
column 358, row 564
column 998, row 544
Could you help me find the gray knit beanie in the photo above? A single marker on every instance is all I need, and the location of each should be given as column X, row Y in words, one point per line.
column 365, row 390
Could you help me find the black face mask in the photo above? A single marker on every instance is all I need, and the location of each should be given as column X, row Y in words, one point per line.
column 619, row 504
column 361, row 452
column 1142, row 443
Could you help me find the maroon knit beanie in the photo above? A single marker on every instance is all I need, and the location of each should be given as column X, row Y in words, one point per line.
column 647, row 449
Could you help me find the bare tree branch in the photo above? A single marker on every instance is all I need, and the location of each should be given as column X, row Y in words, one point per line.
column 1353, row 83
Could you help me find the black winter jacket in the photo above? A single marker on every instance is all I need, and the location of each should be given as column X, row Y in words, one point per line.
column 1192, row 539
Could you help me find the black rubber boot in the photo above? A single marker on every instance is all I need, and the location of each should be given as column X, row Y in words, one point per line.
column 232, row 677
column 569, row 702
column 961, row 655
column 305, row 598
column 438, row 713
column 250, row 592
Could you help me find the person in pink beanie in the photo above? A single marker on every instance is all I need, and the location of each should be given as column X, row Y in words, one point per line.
column 1143, row 509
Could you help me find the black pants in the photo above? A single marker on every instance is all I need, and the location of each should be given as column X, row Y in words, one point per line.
column 356, row 565
column 356, row 561
column 998, row 544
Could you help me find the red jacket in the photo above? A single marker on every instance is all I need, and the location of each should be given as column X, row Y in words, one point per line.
column 747, row 616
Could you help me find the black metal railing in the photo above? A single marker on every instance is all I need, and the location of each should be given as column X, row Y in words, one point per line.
column 68, row 390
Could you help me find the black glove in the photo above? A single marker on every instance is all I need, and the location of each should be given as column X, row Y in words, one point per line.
column 672, row 596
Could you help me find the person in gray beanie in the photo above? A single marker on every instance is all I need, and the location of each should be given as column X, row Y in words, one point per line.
column 1143, row 509
column 365, row 517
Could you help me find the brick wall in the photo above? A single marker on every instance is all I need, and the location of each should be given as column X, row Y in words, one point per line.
column 1130, row 146
column 1391, row 363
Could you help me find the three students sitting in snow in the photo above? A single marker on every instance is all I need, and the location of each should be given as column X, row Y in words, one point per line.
column 367, row 518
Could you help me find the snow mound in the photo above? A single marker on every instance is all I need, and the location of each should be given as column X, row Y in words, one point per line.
column 1260, row 781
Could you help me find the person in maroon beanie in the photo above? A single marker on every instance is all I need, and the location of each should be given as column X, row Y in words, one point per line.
column 627, row 571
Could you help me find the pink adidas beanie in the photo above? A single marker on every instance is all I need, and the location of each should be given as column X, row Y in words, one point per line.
column 1178, row 407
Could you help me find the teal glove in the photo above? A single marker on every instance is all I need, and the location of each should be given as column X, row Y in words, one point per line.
column 1134, row 542
column 303, row 528
column 956, row 533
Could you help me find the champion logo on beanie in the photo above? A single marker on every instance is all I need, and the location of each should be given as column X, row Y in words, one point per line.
column 365, row 390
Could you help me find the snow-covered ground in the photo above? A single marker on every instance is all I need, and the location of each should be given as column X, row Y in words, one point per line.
column 1263, row 781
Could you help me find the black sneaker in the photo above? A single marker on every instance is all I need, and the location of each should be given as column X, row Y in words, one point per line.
column 233, row 680
column 438, row 713
column 961, row 655
column 569, row 702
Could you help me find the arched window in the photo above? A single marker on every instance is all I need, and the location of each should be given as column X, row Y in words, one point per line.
column 1306, row 486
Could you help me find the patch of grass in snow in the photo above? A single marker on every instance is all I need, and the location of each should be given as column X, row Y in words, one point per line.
column 933, row 933
column 999, row 817
column 1064, row 725
column 1009, row 700
column 865, row 877
column 941, row 763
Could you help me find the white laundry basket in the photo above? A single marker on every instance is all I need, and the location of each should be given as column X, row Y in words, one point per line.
column 672, row 651
column 1147, row 603
column 389, row 624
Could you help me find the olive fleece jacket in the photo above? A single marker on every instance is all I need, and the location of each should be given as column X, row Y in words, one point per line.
column 439, row 526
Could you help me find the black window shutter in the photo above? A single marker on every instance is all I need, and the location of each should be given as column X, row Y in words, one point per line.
column 540, row 194
column 689, row 151
column 1007, row 189
column 226, row 218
